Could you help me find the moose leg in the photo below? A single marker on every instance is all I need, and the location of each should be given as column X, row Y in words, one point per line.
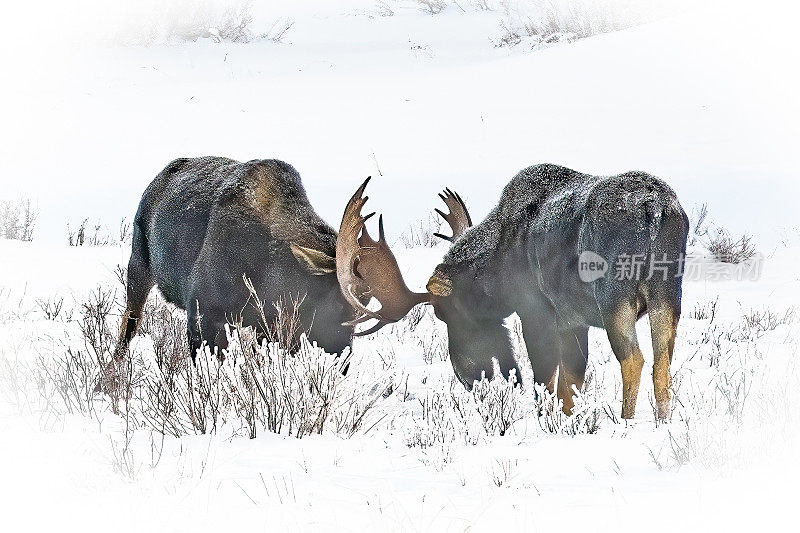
column 543, row 345
column 206, row 325
column 139, row 283
column 572, row 367
column 663, row 326
column 544, row 356
column 130, row 321
column 620, row 325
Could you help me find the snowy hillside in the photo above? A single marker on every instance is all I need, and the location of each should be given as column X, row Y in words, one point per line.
column 701, row 94
column 704, row 100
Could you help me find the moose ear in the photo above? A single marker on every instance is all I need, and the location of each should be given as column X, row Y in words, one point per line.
column 440, row 284
column 316, row 262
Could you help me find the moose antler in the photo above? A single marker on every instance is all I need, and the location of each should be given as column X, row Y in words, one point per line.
column 458, row 218
column 366, row 267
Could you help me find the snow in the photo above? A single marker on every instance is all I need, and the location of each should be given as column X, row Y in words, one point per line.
column 373, row 479
column 705, row 99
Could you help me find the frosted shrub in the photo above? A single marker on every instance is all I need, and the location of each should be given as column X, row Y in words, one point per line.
column 705, row 311
column 432, row 7
column 699, row 225
column 434, row 347
column 718, row 241
column 17, row 220
column 550, row 416
column 282, row 392
column 259, row 387
column 442, row 424
column 96, row 234
column 421, row 233
column 497, row 404
column 463, row 416
column 438, row 423
column 755, row 323
column 728, row 249
column 176, row 21
column 588, row 413
column 544, row 22
column 431, row 336
column 294, row 390
column 730, row 413
column 421, row 326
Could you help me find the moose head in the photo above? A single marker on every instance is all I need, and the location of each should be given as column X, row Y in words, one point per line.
column 367, row 268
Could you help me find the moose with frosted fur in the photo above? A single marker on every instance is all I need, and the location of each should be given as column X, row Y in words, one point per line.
column 524, row 258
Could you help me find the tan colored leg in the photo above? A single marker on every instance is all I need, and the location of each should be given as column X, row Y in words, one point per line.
column 631, row 368
column 663, row 324
column 621, row 329
column 120, row 351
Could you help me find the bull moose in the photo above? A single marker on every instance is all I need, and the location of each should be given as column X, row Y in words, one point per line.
column 204, row 223
column 524, row 258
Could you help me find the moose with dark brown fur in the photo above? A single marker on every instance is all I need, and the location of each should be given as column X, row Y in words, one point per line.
column 205, row 223
column 525, row 258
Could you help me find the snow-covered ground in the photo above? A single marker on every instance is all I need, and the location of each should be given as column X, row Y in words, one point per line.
column 705, row 98
column 726, row 459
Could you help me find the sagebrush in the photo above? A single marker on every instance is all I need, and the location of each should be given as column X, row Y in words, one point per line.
column 17, row 219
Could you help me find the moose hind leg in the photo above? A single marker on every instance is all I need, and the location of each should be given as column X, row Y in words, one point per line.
column 206, row 326
column 620, row 325
column 663, row 326
column 139, row 283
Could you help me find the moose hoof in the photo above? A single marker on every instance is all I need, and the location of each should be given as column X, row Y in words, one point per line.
column 663, row 410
